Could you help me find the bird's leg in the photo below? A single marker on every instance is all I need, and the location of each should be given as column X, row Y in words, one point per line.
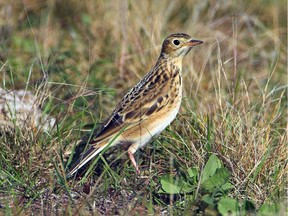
column 131, row 152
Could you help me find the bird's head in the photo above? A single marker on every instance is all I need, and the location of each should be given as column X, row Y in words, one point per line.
column 178, row 45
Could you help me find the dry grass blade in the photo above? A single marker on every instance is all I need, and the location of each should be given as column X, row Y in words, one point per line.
column 79, row 58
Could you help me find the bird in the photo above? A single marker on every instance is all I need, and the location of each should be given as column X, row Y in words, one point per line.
column 147, row 109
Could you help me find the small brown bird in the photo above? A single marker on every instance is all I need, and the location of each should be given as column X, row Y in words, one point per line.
column 148, row 108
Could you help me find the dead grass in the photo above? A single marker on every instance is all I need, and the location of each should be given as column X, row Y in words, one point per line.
column 92, row 53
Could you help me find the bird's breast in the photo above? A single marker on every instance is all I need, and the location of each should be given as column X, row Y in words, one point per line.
column 167, row 88
column 156, row 124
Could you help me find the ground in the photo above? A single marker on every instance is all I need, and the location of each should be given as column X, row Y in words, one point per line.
column 226, row 152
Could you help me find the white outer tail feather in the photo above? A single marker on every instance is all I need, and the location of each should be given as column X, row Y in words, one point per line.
column 82, row 163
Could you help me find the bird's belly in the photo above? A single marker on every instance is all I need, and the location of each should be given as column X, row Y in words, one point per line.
column 163, row 120
column 150, row 127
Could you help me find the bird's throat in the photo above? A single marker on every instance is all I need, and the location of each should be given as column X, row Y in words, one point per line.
column 178, row 62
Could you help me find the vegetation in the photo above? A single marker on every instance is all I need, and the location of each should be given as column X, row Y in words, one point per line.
column 226, row 153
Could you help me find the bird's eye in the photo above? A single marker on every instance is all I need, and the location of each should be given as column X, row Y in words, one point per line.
column 176, row 42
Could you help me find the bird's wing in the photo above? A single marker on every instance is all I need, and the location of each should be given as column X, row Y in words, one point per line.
column 143, row 101
column 140, row 103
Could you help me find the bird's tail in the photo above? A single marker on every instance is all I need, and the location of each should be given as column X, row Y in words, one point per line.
column 85, row 158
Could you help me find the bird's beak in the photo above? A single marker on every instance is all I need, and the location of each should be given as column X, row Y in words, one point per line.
column 193, row 42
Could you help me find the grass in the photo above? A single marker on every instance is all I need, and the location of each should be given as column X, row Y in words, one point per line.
column 80, row 59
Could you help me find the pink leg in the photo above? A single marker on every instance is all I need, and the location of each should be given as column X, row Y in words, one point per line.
column 132, row 158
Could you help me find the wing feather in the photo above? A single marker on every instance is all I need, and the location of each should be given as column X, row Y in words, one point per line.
column 141, row 102
column 137, row 105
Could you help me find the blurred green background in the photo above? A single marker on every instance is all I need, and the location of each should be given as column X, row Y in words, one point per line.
column 89, row 53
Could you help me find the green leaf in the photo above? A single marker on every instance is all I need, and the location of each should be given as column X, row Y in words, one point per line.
column 192, row 172
column 220, row 177
column 227, row 186
column 207, row 199
column 168, row 185
column 210, row 168
column 266, row 209
column 173, row 185
column 227, row 206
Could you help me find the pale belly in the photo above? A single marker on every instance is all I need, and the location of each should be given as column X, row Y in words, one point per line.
column 142, row 133
column 138, row 135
